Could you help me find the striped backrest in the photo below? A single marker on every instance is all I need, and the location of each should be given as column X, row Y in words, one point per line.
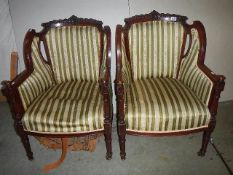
column 39, row 80
column 191, row 75
column 74, row 52
column 155, row 48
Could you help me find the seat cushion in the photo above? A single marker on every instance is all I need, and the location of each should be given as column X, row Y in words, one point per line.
column 67, row 107
column 163, row 105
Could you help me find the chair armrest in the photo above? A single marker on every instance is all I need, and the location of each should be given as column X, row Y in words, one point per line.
column 123, row 71
column 105, row 67
column 195, row 74
column 123, row 77
column 105, row 77
column 10, row 90
column 218, row 82
column 29, row 84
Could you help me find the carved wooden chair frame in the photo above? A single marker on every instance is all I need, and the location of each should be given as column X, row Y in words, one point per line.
column 218, row 80
column 9, row 88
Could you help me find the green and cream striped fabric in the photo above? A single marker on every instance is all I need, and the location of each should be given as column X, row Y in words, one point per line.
column 40, row 79
column 155, row 48
column 103, row 67
column 126, row 69
column 66, row 107
column 191, row 75
column 74, row 52
column 163, row 105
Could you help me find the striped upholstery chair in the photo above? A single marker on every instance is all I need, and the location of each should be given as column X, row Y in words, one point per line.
column 69, row 93
column 162, row 84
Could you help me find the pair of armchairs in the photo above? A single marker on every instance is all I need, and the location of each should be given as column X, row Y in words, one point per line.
column 162, row 85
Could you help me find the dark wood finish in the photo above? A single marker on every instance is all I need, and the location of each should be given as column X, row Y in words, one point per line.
column 106, row 89
column 10, row 88
column 73, row 20
column 119, row 91
column 155, row 16
column 218, row 80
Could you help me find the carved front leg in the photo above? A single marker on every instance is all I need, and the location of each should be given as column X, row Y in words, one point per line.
column 108, row 140
column 24, row 138
column 121, row 127
column 121, row 135
column 106, row 91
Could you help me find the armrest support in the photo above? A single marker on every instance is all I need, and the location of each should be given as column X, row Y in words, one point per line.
column 119, row 82
column 105, row 76
column 118, row 79
column 123, row 75
column 105, row 68
column 123, row 70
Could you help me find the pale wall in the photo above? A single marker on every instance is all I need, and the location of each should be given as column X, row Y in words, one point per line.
column 7, row 40
column 216, row 16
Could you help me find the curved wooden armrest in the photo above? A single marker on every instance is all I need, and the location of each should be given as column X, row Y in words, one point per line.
column 218, row 86
column 118, row 79
column 211, row 75
column 106, row 78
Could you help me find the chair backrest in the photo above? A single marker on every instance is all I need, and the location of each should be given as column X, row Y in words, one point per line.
column 154, row 42
column 74, row 48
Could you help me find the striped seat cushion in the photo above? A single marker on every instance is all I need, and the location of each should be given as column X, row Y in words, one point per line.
column 70, row 107
column 163, row 105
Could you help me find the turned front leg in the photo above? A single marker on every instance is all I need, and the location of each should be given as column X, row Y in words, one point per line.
column 24, row 139
column 121, row 135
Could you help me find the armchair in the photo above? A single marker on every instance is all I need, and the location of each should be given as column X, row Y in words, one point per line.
column 67, row 92
column 162, row 85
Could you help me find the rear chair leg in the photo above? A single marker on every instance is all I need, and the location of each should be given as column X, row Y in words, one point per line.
column 24, row 139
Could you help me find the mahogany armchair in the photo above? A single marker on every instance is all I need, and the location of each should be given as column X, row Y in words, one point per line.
column 162, row 85
column 67, row 92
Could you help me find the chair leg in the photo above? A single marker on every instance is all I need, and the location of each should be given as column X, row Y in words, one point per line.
column 108, row 140
column 24, row 139
column 121, row 135
column 206, row 138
